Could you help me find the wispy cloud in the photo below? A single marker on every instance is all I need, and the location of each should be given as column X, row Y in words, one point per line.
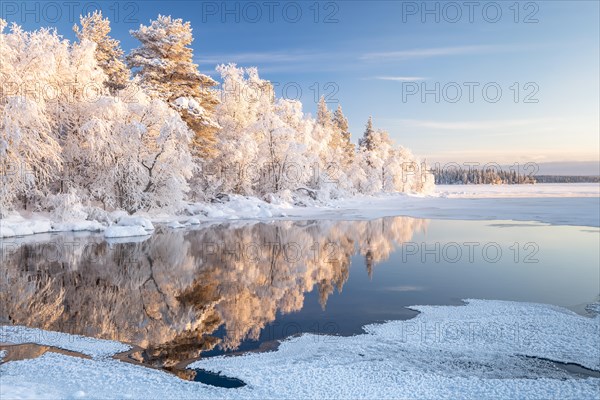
column 430, row 52
column 400, row 78
column 310, row 60
column 257, row 57
column 296, row 61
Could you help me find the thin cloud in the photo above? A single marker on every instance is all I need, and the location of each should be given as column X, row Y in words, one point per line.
column 429, row 52
column 400, row 78
column 296, row 61
column 256, row 57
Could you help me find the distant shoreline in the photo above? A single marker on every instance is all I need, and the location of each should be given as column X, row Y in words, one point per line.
column 541, row 179
column 567, row 179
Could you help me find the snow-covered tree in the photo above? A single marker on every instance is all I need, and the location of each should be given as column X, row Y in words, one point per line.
column 327, row 155
column 108, row 50
column 324, row 116
column 388, row 167
column 381, row 161
column 67, row 140
column 261, row 146
column 285, row 161
column 161, row 155
column 131, row 155
column 342, row 137
column 85, row 82
column 367, row 140
column 30, row 155
column 244, row 96
column 164, row 64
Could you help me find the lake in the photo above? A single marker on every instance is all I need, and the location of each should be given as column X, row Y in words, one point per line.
column 234, row 287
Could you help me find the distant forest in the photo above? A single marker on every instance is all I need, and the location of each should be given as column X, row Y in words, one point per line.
column 566, row 179
column 474, row 176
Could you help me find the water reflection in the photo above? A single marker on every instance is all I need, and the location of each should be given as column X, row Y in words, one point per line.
column 171, row 293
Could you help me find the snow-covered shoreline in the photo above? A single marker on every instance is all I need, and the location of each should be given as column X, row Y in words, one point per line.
column 484, row 349
column 557, row 204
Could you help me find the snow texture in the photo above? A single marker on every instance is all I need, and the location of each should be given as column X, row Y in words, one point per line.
column 129, row 227
column 136, row 221
column 116, row 231
column 484, row 349
column 15, row 225
column 96, row 348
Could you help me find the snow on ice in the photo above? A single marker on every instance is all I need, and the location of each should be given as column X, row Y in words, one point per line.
column 484, row 349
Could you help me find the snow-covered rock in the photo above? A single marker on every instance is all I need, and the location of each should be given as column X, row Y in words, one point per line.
column 116, row 231
column 136, row 221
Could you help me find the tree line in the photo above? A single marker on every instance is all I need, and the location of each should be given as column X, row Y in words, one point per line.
column 83, row 122
column 465, row 176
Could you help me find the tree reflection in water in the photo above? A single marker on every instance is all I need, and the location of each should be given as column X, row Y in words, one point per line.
column 170, row 293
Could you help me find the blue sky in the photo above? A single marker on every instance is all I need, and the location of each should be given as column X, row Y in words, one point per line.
column 368, row 56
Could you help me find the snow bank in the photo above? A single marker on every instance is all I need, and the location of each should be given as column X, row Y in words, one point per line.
column 96, row 348
column 129, row 226
column 16, row 225
column 475, row 351
column 136, row 221
column 78, row 226
column 116, row 231
column 238, row 207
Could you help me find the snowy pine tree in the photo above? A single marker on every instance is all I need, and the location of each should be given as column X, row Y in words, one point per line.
column 108, row 50
column 324, row 116
column 343, row 136
column 164, row 64
column 367, row 140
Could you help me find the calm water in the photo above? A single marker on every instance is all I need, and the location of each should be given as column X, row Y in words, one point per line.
column 228, row 288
